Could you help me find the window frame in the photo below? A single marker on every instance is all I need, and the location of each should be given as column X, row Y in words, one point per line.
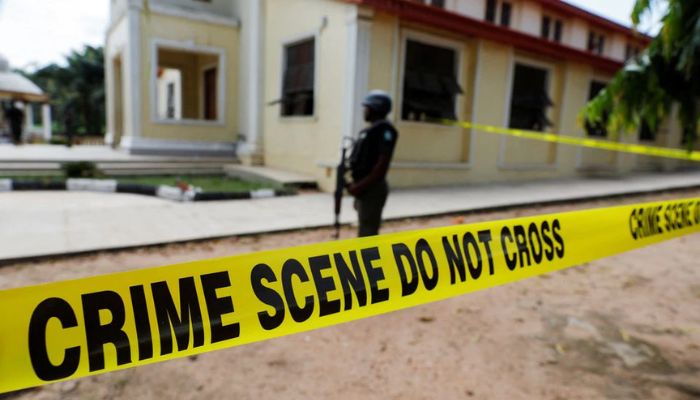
column 188, row 47
column 300, row 38
column 550, row 67
column 556, row 26
column 202, row 76
column 428, row 39
column 600, row 45
column 499, row 6
column 605, row 83
column 532, row 63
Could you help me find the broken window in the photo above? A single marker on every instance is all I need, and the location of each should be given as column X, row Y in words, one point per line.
column 598, row 129
column 298, row 81
column 187, row 85
column 529, row 99
column 430, row 85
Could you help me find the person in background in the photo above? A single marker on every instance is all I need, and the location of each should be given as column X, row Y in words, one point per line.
column 15, row 117
column 369, row 163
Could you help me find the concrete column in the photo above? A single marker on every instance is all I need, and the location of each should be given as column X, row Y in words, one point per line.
column 132, row 77
column 28, row 120
column 46, row 121
column 251, row 82
column 356, row 87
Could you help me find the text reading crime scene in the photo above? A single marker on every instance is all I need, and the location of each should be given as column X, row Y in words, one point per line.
column 155, row 320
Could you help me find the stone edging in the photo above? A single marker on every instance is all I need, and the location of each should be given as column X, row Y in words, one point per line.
column 173, row 193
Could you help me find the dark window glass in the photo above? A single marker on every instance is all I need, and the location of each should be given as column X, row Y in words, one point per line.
column 438, row 3
column 430, row 86
column 646, row 134
column 490, row 10
column 546, row 22
column 591, row 41
column 596, row 43
column 601, row 44
column 558, row 28
column 298, row 82
column 631, row 51
column 529, row 99
column 505, row 14
column 596, row 129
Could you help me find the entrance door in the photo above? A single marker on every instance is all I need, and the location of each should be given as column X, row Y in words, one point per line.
column 210, row 83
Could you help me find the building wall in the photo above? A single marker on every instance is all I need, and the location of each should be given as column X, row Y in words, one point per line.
column 220, row 8
column 300, row 143
column 189, row 35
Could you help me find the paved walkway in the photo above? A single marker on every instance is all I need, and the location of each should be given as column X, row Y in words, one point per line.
column 46, row 223
column 51, row 153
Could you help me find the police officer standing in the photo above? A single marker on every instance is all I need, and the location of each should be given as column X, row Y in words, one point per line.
column 369, row 163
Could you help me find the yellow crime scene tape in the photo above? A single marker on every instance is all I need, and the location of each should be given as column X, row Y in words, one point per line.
column 72, row 329
column 631, row 148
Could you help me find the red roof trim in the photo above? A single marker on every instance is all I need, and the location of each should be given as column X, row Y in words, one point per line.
column 467, row 26
column 570, row 10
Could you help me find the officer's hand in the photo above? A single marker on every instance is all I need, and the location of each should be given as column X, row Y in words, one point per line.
column 353, row 189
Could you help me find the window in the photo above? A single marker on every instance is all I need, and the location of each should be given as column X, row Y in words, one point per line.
column 596, row 129
column 558, row 28
column 551, row 29
column 436, row 3
column 529, row 99
column 505, row 14
column 492, row 14
column 596, row 43
column 186, row 85
column 546, row 22
column 646, row 134
column 631, row 51
column 491, row 10
column 210, row 79
column 298, row 79
column 430, row 86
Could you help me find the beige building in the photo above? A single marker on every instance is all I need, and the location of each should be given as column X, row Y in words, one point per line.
column 279, row 83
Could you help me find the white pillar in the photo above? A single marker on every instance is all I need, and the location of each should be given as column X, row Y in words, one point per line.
column 28, row 120
column 46, row 121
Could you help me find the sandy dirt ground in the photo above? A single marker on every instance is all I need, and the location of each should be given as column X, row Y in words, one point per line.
column 625, row 327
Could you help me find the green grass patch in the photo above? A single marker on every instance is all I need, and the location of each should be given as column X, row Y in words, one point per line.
column 207, row 183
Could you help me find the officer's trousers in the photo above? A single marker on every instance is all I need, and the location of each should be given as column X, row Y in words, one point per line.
column 369, row 206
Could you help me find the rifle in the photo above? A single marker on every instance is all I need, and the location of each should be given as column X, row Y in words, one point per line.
column 339, row 188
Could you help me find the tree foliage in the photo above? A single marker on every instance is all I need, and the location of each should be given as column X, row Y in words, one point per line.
column 76, row 90
column 664, row 75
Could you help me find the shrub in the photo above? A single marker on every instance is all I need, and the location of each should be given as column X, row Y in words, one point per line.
column 80, row 169
column 58, row 140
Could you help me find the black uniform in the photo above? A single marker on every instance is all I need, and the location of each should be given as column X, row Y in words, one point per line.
column 379, row 139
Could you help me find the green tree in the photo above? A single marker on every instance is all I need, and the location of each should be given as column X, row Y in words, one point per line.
column 77, row 91
column 664, row 75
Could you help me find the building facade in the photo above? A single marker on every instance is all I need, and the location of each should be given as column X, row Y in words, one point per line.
column 279, row 83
